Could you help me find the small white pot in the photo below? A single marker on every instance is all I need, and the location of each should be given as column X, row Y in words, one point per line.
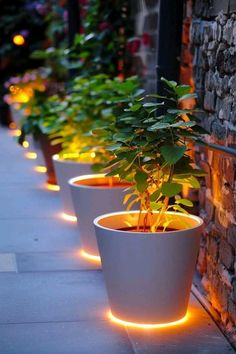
column 17, row 115
column 148, row 275
column 66, row 169
column 92, row 196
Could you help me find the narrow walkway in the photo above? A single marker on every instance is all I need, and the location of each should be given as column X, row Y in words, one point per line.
column 51, row 300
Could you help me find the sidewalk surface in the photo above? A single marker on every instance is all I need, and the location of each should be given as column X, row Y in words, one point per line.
column 54, row 302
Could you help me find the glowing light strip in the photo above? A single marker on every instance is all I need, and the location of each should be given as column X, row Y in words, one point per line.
column 68, row 217
column 146, row 325
column 90, row 257
column 52, row 187
column 40, row 169
column 31, row 155
column 15, row 132
column 25, row 144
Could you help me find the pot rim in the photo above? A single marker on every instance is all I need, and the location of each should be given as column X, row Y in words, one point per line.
column 57, row 158
column 72, row 181
column 190, row 216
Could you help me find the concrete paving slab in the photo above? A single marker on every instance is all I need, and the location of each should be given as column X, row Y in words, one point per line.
column 8, row 262
column 38, row 235
column 19, row 201
column 52, row 296
column 86, row 337
column 54, row 261
column 198, row 335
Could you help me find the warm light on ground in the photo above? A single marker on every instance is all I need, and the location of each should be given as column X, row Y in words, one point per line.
column 52, row 187
column 18, row 39
column 40, row 169
column 25, row 144
column 90, row 257
column 146, row 325
column 16, row 132
column 68, row 217
column 31, row 155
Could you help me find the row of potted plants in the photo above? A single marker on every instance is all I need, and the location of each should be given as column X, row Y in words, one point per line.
column 141, row 146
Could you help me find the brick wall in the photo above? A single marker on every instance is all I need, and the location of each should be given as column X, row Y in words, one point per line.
column 213, row 46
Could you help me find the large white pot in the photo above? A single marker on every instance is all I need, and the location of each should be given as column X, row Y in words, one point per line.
column 148, row 275
column 66, row 169
column 93, row 196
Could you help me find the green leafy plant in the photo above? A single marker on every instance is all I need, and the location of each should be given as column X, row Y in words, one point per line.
column 151, row 148
column 78, row 120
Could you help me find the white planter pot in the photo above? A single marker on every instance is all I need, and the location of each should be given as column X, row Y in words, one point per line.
column 65, row 170
column 17, row 115
column 148, row 275
column 92, row 196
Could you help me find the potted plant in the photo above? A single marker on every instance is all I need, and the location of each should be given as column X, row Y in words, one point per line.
column 88, row 108
column 148, row 256
column 40, row 109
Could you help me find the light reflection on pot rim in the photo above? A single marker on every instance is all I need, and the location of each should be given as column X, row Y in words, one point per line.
column 69, row 217
column 147, row 325
column 108, row 215
column 72, row 182
column 90, row 257
column 59, row 159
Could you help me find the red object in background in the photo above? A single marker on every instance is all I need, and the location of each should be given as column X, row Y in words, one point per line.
column 81, row 30
column 103, row 26
column 146, row 39
column 83, row 2
column 133, row 47
column 83, row 13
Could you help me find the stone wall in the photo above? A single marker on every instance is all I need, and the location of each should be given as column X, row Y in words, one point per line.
column 213, row 45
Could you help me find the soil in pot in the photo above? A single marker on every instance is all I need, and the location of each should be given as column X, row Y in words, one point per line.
column 142, row 229
column 106, row 182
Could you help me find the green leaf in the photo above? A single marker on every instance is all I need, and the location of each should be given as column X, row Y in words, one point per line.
column 185, row 202
column 153, row 104
column 156, row 206
column 172, row 153
column 183, row 124
column 179, row 208
column 171, row 189
column 187, row 97
column 191, row 181
column 171, row 84
column 141, row 180
column 159, row 126
column 182, row 90
column 155, row 195
column 179, row 111
column 194, row 182
column 135, row 107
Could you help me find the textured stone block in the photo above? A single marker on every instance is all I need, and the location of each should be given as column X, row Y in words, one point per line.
column 209, row 101
column 219, row 130
column 218, row 6
column 231, row 236
column 234, row 291
column 213, row 248
column 232, row 310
